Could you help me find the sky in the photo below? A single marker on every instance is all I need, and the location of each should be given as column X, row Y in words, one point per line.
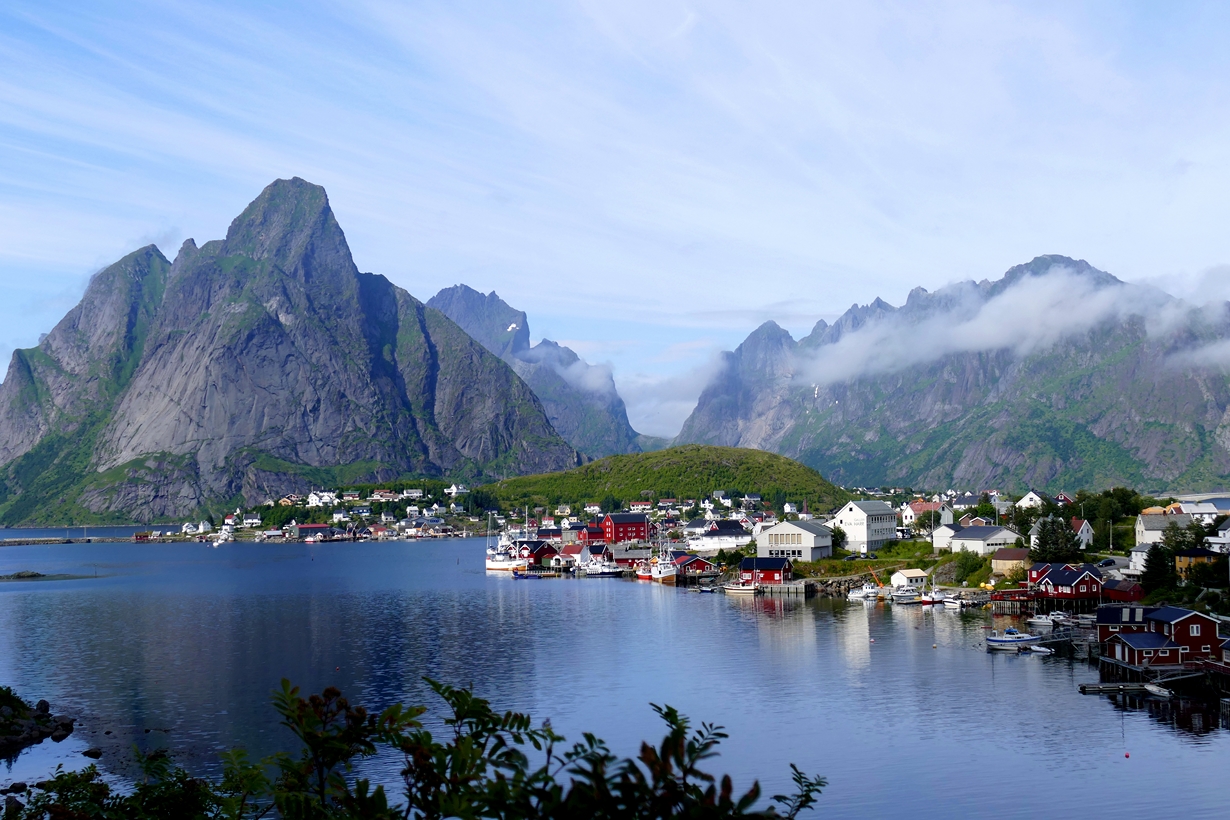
column 650, row 181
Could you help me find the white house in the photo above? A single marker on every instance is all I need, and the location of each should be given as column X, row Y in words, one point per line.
column 251, row 520
column 941, row 537
column 799, row 540
column 912, row 511
column 1149, row 528
column 1082, row 528
column 790, row 507
column 1031, row 501
column 321, row 499
column 593, row 509
column 868, row 525
column 982, row 540
column 1136, row 564
column 1203, row 511
column 1221, row 541
column 412, row 494
column 455, row 490
column 909, row 578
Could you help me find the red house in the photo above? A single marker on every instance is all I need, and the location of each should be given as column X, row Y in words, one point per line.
column 1113, row 619
column 1175, row 635
column 591, row 534
column 542, row 554
column 765, row 571
column 617, row 527
column 688, row 564
column 1122, row 590
column 1075, row 585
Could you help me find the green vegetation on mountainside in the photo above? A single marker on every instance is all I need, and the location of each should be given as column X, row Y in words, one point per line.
column 690, row 471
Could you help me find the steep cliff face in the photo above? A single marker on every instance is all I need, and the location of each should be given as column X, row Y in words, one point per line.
column 580, row 399
column 250, row 367
column 1091, row 390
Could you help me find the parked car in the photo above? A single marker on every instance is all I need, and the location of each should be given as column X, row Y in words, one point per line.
column 872, row 555
column 1106, row 562
column 851, row 557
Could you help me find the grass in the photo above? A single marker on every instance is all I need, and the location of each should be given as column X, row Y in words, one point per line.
column 690, row 471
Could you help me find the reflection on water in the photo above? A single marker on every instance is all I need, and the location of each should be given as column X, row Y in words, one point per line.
column 187, row 641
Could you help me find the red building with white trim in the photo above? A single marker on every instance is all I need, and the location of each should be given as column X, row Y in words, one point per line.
column 618, row 527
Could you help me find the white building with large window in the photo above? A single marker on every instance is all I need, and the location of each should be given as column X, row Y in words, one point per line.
column 797, row 540
column 868, row 525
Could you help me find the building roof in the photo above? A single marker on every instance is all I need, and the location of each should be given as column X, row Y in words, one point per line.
column 1172, row 614
column 1195, row 552
column 764, row 563
column 874, row 507
column 1065, row 575
column 1145, row 640
column 1113, row 613
column 1157, row 522
column 1120, row 585
column 979, row 533
column 813, row 527
column 912, row 573
column 1011, row 554
column 628, row 518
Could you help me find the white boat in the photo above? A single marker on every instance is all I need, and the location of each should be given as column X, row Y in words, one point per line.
column 1042, row 650
column 906, row 595
column 867, row 592
column 1041, row 622
column 952, row 603
column 664, row 571
column 740, row 589
column 1159, row 691
column 506, row 562
column 503, row 558
column 1010, row 638
column 601, row 569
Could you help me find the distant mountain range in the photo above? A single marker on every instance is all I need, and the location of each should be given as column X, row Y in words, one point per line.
column 1056, row 376
column 580, row 399
column 250, row 367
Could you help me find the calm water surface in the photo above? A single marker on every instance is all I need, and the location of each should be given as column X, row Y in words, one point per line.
column 187, row 641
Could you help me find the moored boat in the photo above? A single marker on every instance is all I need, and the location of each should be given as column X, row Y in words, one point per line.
column 1010, row 638
column 664, row 572
column 867, row 592
column 601, row 569
column 952, row 603
column 734, row 588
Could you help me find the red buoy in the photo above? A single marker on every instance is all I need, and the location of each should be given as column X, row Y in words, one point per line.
column 1125, row 754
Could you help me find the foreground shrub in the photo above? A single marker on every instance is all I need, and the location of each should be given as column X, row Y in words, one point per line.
column 481, row 769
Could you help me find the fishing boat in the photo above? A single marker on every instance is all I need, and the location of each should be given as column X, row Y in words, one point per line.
column 664, row 571
column 867, row 592
column 601, row 569
column 503, row 557
column 644, row 571
column 531, row 574
column 1010, row 638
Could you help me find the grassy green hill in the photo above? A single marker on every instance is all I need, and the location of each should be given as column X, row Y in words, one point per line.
column 691, row 471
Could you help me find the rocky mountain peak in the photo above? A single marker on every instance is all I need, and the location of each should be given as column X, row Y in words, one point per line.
column 291, row 225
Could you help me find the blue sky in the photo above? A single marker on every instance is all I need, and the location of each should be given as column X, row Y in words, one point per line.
column 650, row 181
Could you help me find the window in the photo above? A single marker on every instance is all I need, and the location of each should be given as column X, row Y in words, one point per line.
column 1082, row 587
column 1114, row 629
column 1165, row 653
column 1194, row 630
column 1148, row 653
column 1183, row 649
column 1206, row 648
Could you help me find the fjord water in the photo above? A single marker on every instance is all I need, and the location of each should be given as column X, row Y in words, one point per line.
column 188, row 641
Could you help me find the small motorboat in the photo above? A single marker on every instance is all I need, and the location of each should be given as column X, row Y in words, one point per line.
column 905, row 595
column 1039, row 650
column 708, row 589
column 1011, row 638
column 740, row 589
column 1158, row 691
column 1047, row 621
column 952, row 603
column 602, row 569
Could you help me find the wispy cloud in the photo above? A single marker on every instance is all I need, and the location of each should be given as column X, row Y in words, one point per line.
column 697, row 167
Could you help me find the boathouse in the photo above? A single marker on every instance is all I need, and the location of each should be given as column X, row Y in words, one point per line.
column 1144, row 649
column 1194, row 632
column 765, row 571
column 1113, row 619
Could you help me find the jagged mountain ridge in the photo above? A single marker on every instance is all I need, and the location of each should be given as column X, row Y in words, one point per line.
column 249, row 367
column 1109, row 404
column 580, row 399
